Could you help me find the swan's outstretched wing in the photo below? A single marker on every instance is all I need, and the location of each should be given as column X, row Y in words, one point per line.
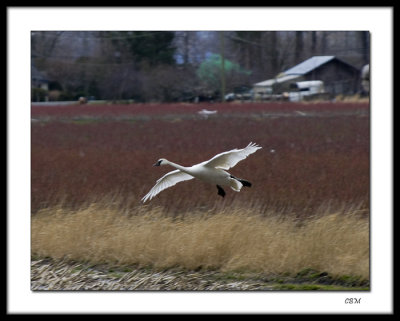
column 229, row 159
column 168, row 180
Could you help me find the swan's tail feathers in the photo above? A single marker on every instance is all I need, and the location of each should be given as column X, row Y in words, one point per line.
column 235, row 184
column 221, row 191
column 243, row 181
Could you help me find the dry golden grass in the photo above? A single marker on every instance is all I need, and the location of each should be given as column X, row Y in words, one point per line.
column 230, row 239
column 352, row 98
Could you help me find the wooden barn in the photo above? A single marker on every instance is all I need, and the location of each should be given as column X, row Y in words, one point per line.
column 338, row 76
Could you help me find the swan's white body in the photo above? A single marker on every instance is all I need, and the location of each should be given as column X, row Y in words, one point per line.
column 211, row 171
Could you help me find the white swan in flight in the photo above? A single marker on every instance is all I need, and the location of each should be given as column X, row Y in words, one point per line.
column 211, row 171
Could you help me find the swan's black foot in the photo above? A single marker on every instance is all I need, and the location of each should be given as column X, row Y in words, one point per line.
column 221, row 191
column 244, row 182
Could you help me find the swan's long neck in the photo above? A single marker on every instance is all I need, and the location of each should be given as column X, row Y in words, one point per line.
column 177, row 166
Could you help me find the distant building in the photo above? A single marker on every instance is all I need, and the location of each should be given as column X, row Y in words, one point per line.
column 365, row 80
column 338, row 76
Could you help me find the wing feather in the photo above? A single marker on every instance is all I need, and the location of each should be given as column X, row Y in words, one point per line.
column 168, row 180
column 230, row 158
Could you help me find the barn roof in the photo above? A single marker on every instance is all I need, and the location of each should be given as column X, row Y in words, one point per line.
column 308, row 65
column 270, row 82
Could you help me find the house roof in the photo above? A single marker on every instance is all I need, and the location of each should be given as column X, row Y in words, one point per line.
column 308, row 65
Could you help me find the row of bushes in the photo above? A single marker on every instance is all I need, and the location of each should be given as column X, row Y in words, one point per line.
column 40, row 94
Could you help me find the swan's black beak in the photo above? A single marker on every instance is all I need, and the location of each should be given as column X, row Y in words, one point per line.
column 157, row 164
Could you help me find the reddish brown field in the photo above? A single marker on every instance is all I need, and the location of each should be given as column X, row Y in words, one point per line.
column 307, row 209
column 82, row 154
column 113, row 110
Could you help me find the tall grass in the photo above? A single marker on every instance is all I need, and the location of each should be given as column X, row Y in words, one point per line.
column 231, row 239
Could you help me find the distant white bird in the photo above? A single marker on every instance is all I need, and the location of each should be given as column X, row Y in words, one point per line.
column 211, row 171
column 301, row 113
column 205, row 113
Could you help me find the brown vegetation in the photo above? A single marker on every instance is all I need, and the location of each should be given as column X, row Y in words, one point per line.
column 233, row 239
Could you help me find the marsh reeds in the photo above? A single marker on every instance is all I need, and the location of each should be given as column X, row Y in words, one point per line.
column 231, row 239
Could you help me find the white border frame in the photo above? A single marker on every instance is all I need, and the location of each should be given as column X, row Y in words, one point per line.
column 20, row 21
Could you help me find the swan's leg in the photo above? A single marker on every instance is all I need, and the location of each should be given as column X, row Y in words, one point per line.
column 221, row 191
column 244, row 182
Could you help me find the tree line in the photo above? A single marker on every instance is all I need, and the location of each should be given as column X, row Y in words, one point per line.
column 167, row 66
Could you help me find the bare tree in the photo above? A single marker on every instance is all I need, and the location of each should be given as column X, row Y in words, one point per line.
column 364, row 37
column 299, row 46
column 156, row 65
column 313, row 42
